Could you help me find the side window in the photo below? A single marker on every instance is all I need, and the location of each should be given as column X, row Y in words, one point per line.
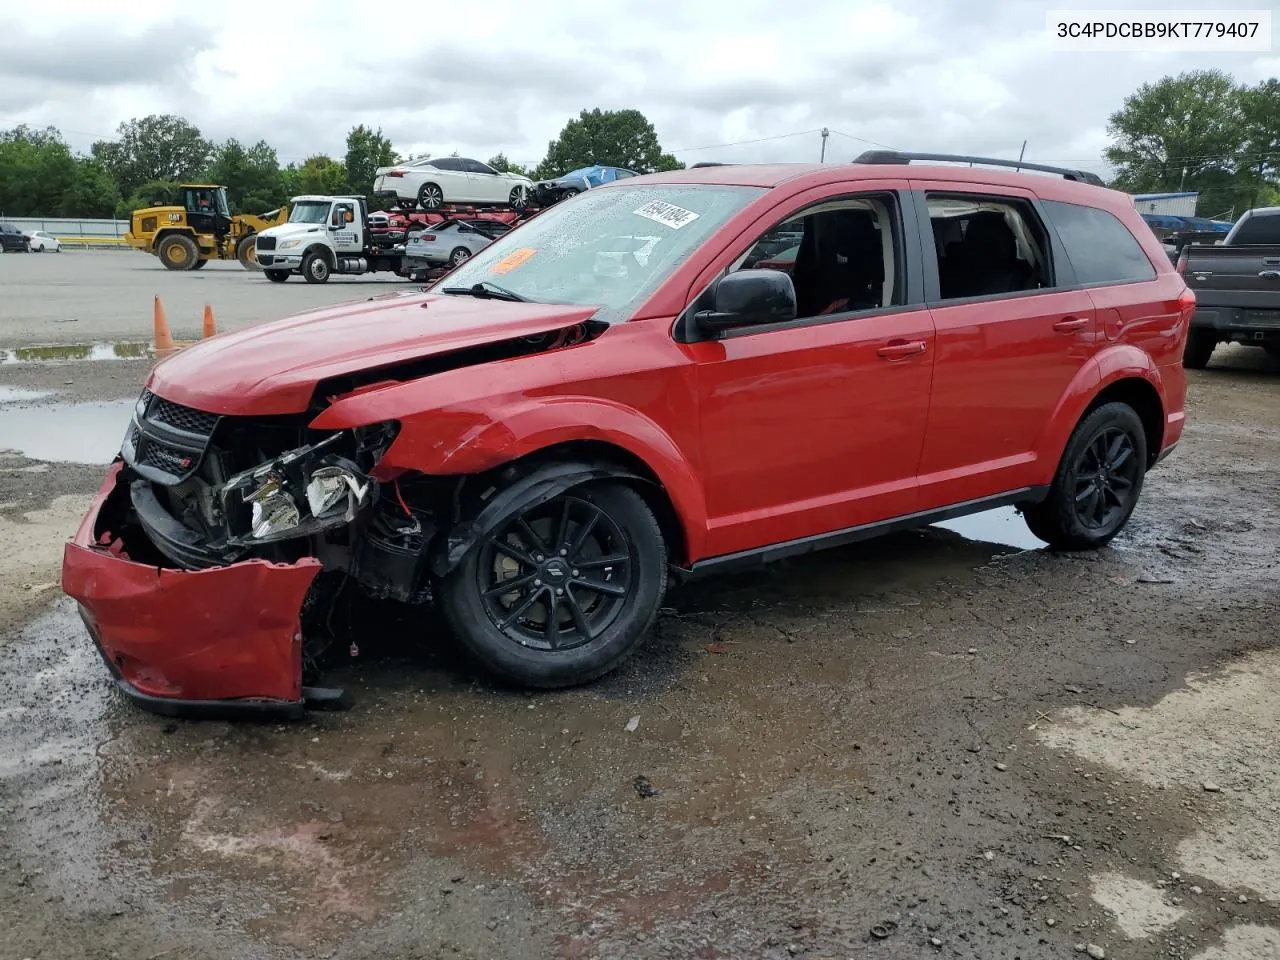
column 987, row 246
column 843, row 255
column 1258, row 229
column 1101, row 248
column 447, row 163
column 475, row 166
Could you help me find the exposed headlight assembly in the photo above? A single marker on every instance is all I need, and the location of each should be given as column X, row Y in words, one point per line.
column 298, row 494
column 289, row 244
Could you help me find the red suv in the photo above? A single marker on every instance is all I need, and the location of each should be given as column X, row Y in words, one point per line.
column 610, row 395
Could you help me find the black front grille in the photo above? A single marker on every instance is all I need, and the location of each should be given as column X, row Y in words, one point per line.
column 266, row 243
column 182, row 418
column 172, row 462
column 168, row 441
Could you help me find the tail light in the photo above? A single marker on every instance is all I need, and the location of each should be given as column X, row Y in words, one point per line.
column 427, row 236
column 395, row 173
column 1182, row 262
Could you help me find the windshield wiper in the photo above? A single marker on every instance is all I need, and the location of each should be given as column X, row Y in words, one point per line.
column 487, row 291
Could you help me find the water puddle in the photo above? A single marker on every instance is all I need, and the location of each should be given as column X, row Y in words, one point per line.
column 122, row 350
column 21, row 395
column 1003, row 526
column 67, row 432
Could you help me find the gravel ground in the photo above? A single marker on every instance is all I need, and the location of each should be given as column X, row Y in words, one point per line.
column 929, row 745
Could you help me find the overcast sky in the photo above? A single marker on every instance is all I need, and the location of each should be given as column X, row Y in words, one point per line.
column 479, row 78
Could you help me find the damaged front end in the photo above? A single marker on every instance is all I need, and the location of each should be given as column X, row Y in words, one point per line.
column 204, row 549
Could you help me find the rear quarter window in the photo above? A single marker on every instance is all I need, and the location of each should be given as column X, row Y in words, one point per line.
column 1258, row 230
column 1099, row 245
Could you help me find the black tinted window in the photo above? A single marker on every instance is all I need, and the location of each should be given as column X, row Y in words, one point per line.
column 447, row 163
column 1264, row 229
column 1100, row 247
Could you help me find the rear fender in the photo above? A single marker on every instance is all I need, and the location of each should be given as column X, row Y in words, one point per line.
column 544, row 483
column 1114, row 363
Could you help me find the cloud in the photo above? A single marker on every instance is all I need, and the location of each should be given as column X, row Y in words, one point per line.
column 939, row 75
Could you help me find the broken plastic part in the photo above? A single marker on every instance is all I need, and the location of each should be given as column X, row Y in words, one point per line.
column 328, row 486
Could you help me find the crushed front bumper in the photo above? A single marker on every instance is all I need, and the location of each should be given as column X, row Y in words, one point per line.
column 223, row 641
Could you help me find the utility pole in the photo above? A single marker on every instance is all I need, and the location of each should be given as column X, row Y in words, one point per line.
column 1022, row 153
column 822, row 158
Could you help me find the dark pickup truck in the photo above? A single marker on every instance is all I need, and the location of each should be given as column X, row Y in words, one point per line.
column 1237, row 288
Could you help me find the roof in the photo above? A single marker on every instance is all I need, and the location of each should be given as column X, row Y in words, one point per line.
column 776, row 174
column 1164, row 196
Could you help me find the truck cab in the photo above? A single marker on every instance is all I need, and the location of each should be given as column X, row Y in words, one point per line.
column 323, row 235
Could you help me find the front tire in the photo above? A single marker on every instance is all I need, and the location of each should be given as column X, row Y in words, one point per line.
column 247, row 252
column 518, row 199
column 1201, row 342
column 199, row 264
column 277, row 276
column 430, row 197
column 178, row 252
column 459, row 255
column 1098, row 481
column 315, row 268
column 562, row 592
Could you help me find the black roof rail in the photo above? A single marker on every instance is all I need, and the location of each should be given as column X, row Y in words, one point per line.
column 896, row 156
column 710, row 163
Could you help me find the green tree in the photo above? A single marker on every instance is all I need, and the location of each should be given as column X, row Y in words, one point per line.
column 154, row 193
column 366, row 151
column 37, row 170
column 159, row 147
column 323, row 175
column 1260, row 116
column 92, row 194
column 251, row 176
column 618, row 138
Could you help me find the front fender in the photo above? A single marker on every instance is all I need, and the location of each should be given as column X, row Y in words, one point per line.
column 480, row 436
column 1117, row 362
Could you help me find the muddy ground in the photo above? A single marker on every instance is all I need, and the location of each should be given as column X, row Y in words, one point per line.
column 931, row 745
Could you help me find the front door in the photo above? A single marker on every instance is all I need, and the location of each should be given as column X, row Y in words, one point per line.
column 816, row 425
column 1012, row 334
column 346, row 229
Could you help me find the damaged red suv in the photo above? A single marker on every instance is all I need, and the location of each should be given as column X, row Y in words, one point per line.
column 613, row 394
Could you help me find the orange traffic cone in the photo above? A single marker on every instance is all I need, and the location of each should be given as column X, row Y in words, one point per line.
column 209, row 329
column 163, row 341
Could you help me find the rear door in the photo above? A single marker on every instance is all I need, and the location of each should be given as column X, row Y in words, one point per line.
column 1012, row 329
column 486, row 185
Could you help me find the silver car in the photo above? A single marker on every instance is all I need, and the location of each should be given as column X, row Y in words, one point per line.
column 450, row 242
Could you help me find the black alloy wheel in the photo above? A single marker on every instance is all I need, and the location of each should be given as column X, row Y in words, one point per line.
column 1098, row 481
column 1105, row 479
column 561, row 592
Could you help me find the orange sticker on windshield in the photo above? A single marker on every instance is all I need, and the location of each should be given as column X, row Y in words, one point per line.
column 512, row 260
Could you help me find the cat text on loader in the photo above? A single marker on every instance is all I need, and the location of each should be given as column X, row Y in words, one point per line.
column 201, row 229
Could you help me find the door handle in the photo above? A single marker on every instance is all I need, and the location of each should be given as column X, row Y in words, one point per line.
column 1071, row 324
column 901, row 349
column 1269, row 274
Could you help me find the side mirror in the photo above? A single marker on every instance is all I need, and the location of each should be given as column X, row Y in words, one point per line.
column 749, row 298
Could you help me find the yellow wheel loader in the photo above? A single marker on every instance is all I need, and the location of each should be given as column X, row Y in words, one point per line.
column 202, row 229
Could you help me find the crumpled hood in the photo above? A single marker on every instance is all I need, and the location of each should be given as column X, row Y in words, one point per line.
column 273, row 368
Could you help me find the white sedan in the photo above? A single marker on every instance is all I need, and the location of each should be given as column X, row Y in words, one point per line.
column 42, row 242
column 430, row 184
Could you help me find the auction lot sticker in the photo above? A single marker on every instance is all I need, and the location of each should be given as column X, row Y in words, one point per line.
column 512, row 260
column 668, row 214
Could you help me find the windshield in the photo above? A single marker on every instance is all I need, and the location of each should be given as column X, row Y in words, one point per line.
column 309, row 211
column 580, row 172
column 611, row 247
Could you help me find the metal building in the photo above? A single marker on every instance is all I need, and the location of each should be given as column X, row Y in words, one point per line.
column 1169, row 204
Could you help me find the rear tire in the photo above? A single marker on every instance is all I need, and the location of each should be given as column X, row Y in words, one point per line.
column 1273, row 350
column 315, row 268
column 1097, row 484
column 277, row 276
column 572, row 616
column 199, row 264
column 178, row 252
column 430, row 197
column 1201, row 343
column 247, row 252
column 459, row 255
